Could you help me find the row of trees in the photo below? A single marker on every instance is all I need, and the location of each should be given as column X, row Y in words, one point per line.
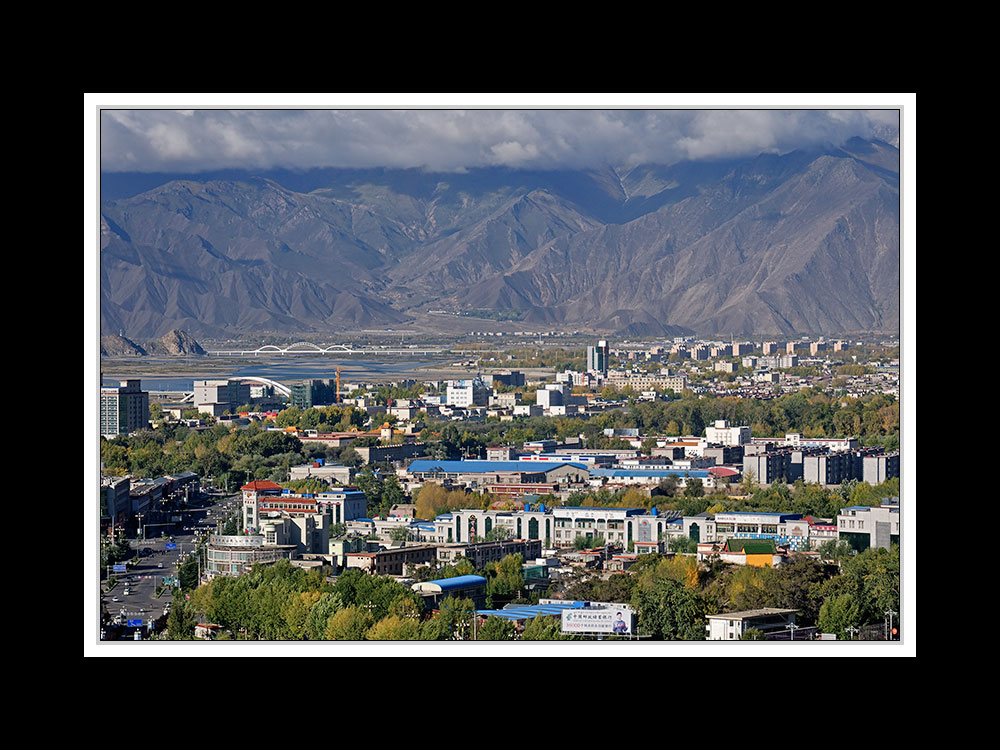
column 231, row 455
column 282, row 602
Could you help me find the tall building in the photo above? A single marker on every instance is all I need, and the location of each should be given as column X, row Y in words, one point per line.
column 218, row 397
column 124, row 409
column 312, row 393
column 597, row 357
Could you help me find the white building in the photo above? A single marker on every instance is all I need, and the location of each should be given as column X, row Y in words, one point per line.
column 732, row 625
column 467, row 393
column 864, row 527
column 722, row 434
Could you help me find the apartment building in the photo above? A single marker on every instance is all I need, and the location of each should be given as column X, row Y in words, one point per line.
column 124, row 409
column 864, row 527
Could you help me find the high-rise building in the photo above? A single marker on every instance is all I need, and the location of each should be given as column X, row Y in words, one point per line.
column 597, row 358
column 124, row 409
column 312, row 393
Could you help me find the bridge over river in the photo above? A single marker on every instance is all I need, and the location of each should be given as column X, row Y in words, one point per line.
column 304, row 347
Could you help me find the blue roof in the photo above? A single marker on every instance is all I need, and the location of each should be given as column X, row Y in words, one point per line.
column 525, row 611
column 474, row 467
column 458, row 582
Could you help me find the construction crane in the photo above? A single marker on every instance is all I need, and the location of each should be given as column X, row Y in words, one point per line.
column 338, row 370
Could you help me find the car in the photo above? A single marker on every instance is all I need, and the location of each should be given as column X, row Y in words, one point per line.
column 159, row 565
column 115, row 599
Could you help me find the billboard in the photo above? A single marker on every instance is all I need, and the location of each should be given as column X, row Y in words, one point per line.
column 611, row 619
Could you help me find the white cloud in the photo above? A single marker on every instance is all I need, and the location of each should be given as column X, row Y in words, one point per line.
column 194, row 140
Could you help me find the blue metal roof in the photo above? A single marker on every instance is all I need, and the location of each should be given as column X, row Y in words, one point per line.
column 527, row 611
column 475, row 467
column 458, row 582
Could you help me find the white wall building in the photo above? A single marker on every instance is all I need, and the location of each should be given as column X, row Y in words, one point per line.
column 721, row 433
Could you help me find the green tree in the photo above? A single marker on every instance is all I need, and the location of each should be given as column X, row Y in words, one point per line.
column 544, row 628
column 187, row 573
column 182, row 620
column 394, row 628
column 670, row 611
column 349, row 624
column 327, row 606
column 456, row 617
column 497, row 629
column 839, row 613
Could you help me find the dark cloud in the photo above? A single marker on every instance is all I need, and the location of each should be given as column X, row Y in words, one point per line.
column 146, row 140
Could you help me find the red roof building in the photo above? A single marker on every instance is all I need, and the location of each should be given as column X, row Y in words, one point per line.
column 262, row 485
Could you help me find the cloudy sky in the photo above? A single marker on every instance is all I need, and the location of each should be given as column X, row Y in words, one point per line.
column 170, row 139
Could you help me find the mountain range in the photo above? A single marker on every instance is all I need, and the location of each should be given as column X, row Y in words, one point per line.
column 806, row 242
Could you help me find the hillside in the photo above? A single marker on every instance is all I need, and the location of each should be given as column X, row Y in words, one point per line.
column 806, row 242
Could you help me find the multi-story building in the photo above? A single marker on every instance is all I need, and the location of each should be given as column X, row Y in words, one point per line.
column 772, row 347
column 311, row 513
column 721, row 433
column 319, row 469
column 864, row 527
column 507, row 377
column 218, row 397
column 827, row 468
column 312, row 393
column 641, row 381
column 880, row 468
column 549, row 396
column 390, row 562
column 784, row 529
column 236, row 555
column 467, row 393
column 124, row 409
column 598, row 358
column 768, row 468
column 481, row 553
column 116, row 499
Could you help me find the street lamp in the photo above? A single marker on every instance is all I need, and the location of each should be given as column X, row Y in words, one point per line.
column 853, row 631
column 792, row 627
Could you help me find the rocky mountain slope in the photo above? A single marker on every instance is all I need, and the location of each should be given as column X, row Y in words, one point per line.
column 172, row 344
column 806, row 242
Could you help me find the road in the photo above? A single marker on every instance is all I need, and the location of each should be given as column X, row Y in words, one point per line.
column 200, row 518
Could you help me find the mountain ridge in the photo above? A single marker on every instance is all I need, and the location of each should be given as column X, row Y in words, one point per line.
column 805, row 242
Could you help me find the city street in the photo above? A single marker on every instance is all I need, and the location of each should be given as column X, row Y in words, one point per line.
column 146, row 573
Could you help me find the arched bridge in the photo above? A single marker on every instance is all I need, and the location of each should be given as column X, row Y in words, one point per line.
column 305, row 347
